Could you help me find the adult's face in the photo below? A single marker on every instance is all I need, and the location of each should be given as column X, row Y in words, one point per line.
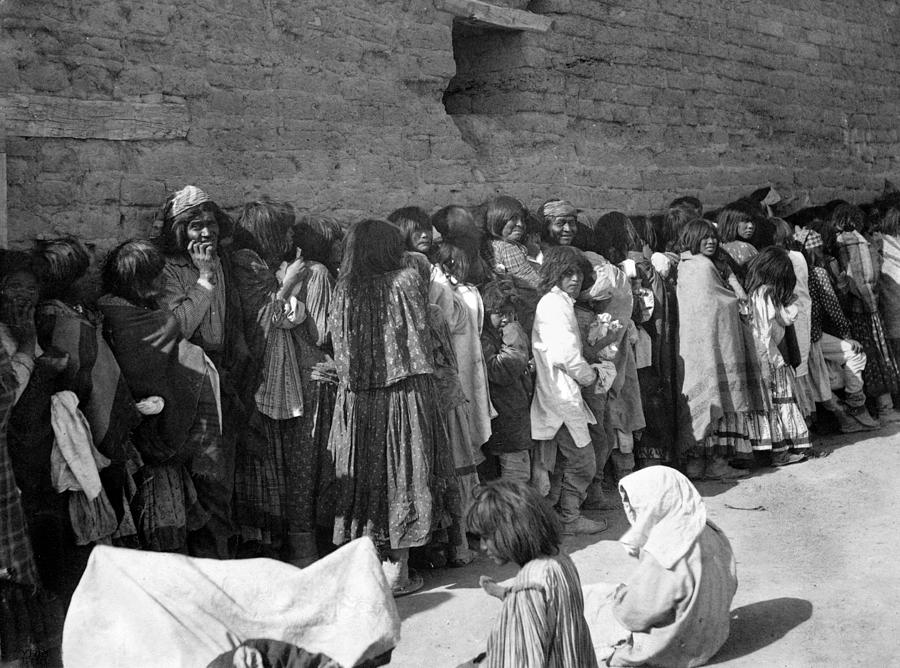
column 203, row 228
column 514, row 230
column 20, row 289
column 562, row 230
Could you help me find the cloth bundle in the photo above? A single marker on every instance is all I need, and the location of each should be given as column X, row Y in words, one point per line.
column 136, row 608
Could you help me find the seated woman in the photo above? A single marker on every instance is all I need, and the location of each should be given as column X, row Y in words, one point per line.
column 542, row 619
column 674, row 609
column 177, row 388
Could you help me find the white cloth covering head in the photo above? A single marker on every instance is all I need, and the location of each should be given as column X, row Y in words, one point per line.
column 666, row 512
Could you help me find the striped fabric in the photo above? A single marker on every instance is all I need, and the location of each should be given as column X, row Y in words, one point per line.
column 542, row 624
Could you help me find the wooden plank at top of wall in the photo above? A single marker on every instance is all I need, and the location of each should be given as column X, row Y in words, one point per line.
column 48, row 116
column 495, row 16
column 4, row 223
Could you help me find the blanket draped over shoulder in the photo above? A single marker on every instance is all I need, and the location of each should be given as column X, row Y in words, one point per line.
column 93, row 374
column 721, row 370
column 157, row 361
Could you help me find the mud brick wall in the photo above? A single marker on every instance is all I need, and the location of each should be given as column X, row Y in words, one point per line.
column 360, row 106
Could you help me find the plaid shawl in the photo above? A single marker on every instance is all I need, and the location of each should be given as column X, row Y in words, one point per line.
column 860, row 261
column 16, row 557
column 93, row 374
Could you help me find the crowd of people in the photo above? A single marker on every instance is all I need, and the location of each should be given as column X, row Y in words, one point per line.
column 282, row 383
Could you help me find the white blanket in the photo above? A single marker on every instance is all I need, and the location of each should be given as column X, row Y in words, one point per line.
column 135, row 608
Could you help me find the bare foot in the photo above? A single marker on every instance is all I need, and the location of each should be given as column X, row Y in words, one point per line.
column 491, row 587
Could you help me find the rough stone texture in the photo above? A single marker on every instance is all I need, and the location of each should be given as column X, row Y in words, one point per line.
column 338, row 105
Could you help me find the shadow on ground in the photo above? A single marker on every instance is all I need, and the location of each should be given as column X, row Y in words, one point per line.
column 760, row 624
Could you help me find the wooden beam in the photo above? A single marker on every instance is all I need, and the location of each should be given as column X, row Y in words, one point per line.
column 47, row 116
column 4, row 222
column 507, row 18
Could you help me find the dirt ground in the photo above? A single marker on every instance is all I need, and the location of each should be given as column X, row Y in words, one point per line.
column 816, row 550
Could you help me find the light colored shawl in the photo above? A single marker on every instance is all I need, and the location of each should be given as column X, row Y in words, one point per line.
column 666, row 513
column 889, row 287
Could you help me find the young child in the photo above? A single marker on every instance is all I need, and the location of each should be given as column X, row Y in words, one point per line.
column 559, row 415
column 674, row 609
column 542, row 620
column 506, row 352
column 736, row 228
column 782, row 429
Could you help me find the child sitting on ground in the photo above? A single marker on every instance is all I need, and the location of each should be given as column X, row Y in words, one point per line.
column 542, row 619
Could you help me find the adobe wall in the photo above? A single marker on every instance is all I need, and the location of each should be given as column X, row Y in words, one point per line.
column 339, row 105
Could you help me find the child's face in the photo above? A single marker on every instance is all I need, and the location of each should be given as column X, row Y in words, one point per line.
column 571, row 284
column 421, row 241
column 709, row 245
column 500, row 320
column 488, row 547
column 745, row 229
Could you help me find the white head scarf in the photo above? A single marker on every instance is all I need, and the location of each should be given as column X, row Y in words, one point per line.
column 187, row 197
column 666, row 513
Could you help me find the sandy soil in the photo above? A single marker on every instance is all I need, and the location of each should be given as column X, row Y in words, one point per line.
column 814, row 542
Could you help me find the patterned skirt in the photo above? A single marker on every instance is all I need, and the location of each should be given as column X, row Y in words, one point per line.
column 729, row 439
column 260, row 489
column 383, row 444
column 783, row 427
column 881, row 375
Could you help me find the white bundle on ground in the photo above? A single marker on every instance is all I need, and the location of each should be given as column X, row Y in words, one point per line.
column 135, row 608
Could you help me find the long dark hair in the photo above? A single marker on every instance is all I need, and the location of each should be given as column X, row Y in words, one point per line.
column 130, row 272
column 499, row 211
column 264, row 225
column 372, row 247
column 173, row 238
column 615, row 236
column 730, row 216
column 772, row 269
column 63, row 260
column 693, row 234
column 517, row 519
column 559, row 262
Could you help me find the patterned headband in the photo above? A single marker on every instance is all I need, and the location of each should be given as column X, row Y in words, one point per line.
column 187, row 197
column 558, row 208
column 809, row 238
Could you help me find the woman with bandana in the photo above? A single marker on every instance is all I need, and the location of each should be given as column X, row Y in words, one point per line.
column 199, row 288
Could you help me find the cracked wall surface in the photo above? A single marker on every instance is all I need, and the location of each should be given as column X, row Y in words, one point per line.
column 340, row 105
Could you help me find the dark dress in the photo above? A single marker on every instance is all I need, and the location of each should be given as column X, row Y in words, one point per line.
column 30, row 619
column 387, row 422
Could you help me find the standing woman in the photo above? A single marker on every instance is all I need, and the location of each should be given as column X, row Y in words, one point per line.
column 179, row 441
column 504, row 223
column 386, row 420
column 861, row 263
column 722, row 379
column 30, row 621
column 66, row 321
column 199, row 289
column 275, row 498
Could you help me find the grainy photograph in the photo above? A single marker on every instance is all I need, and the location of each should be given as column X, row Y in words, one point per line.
column 449, row 333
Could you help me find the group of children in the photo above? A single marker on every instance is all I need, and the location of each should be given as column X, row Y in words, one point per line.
column 282, row 384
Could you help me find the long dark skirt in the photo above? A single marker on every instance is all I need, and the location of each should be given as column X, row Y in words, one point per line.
column 383, row 444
